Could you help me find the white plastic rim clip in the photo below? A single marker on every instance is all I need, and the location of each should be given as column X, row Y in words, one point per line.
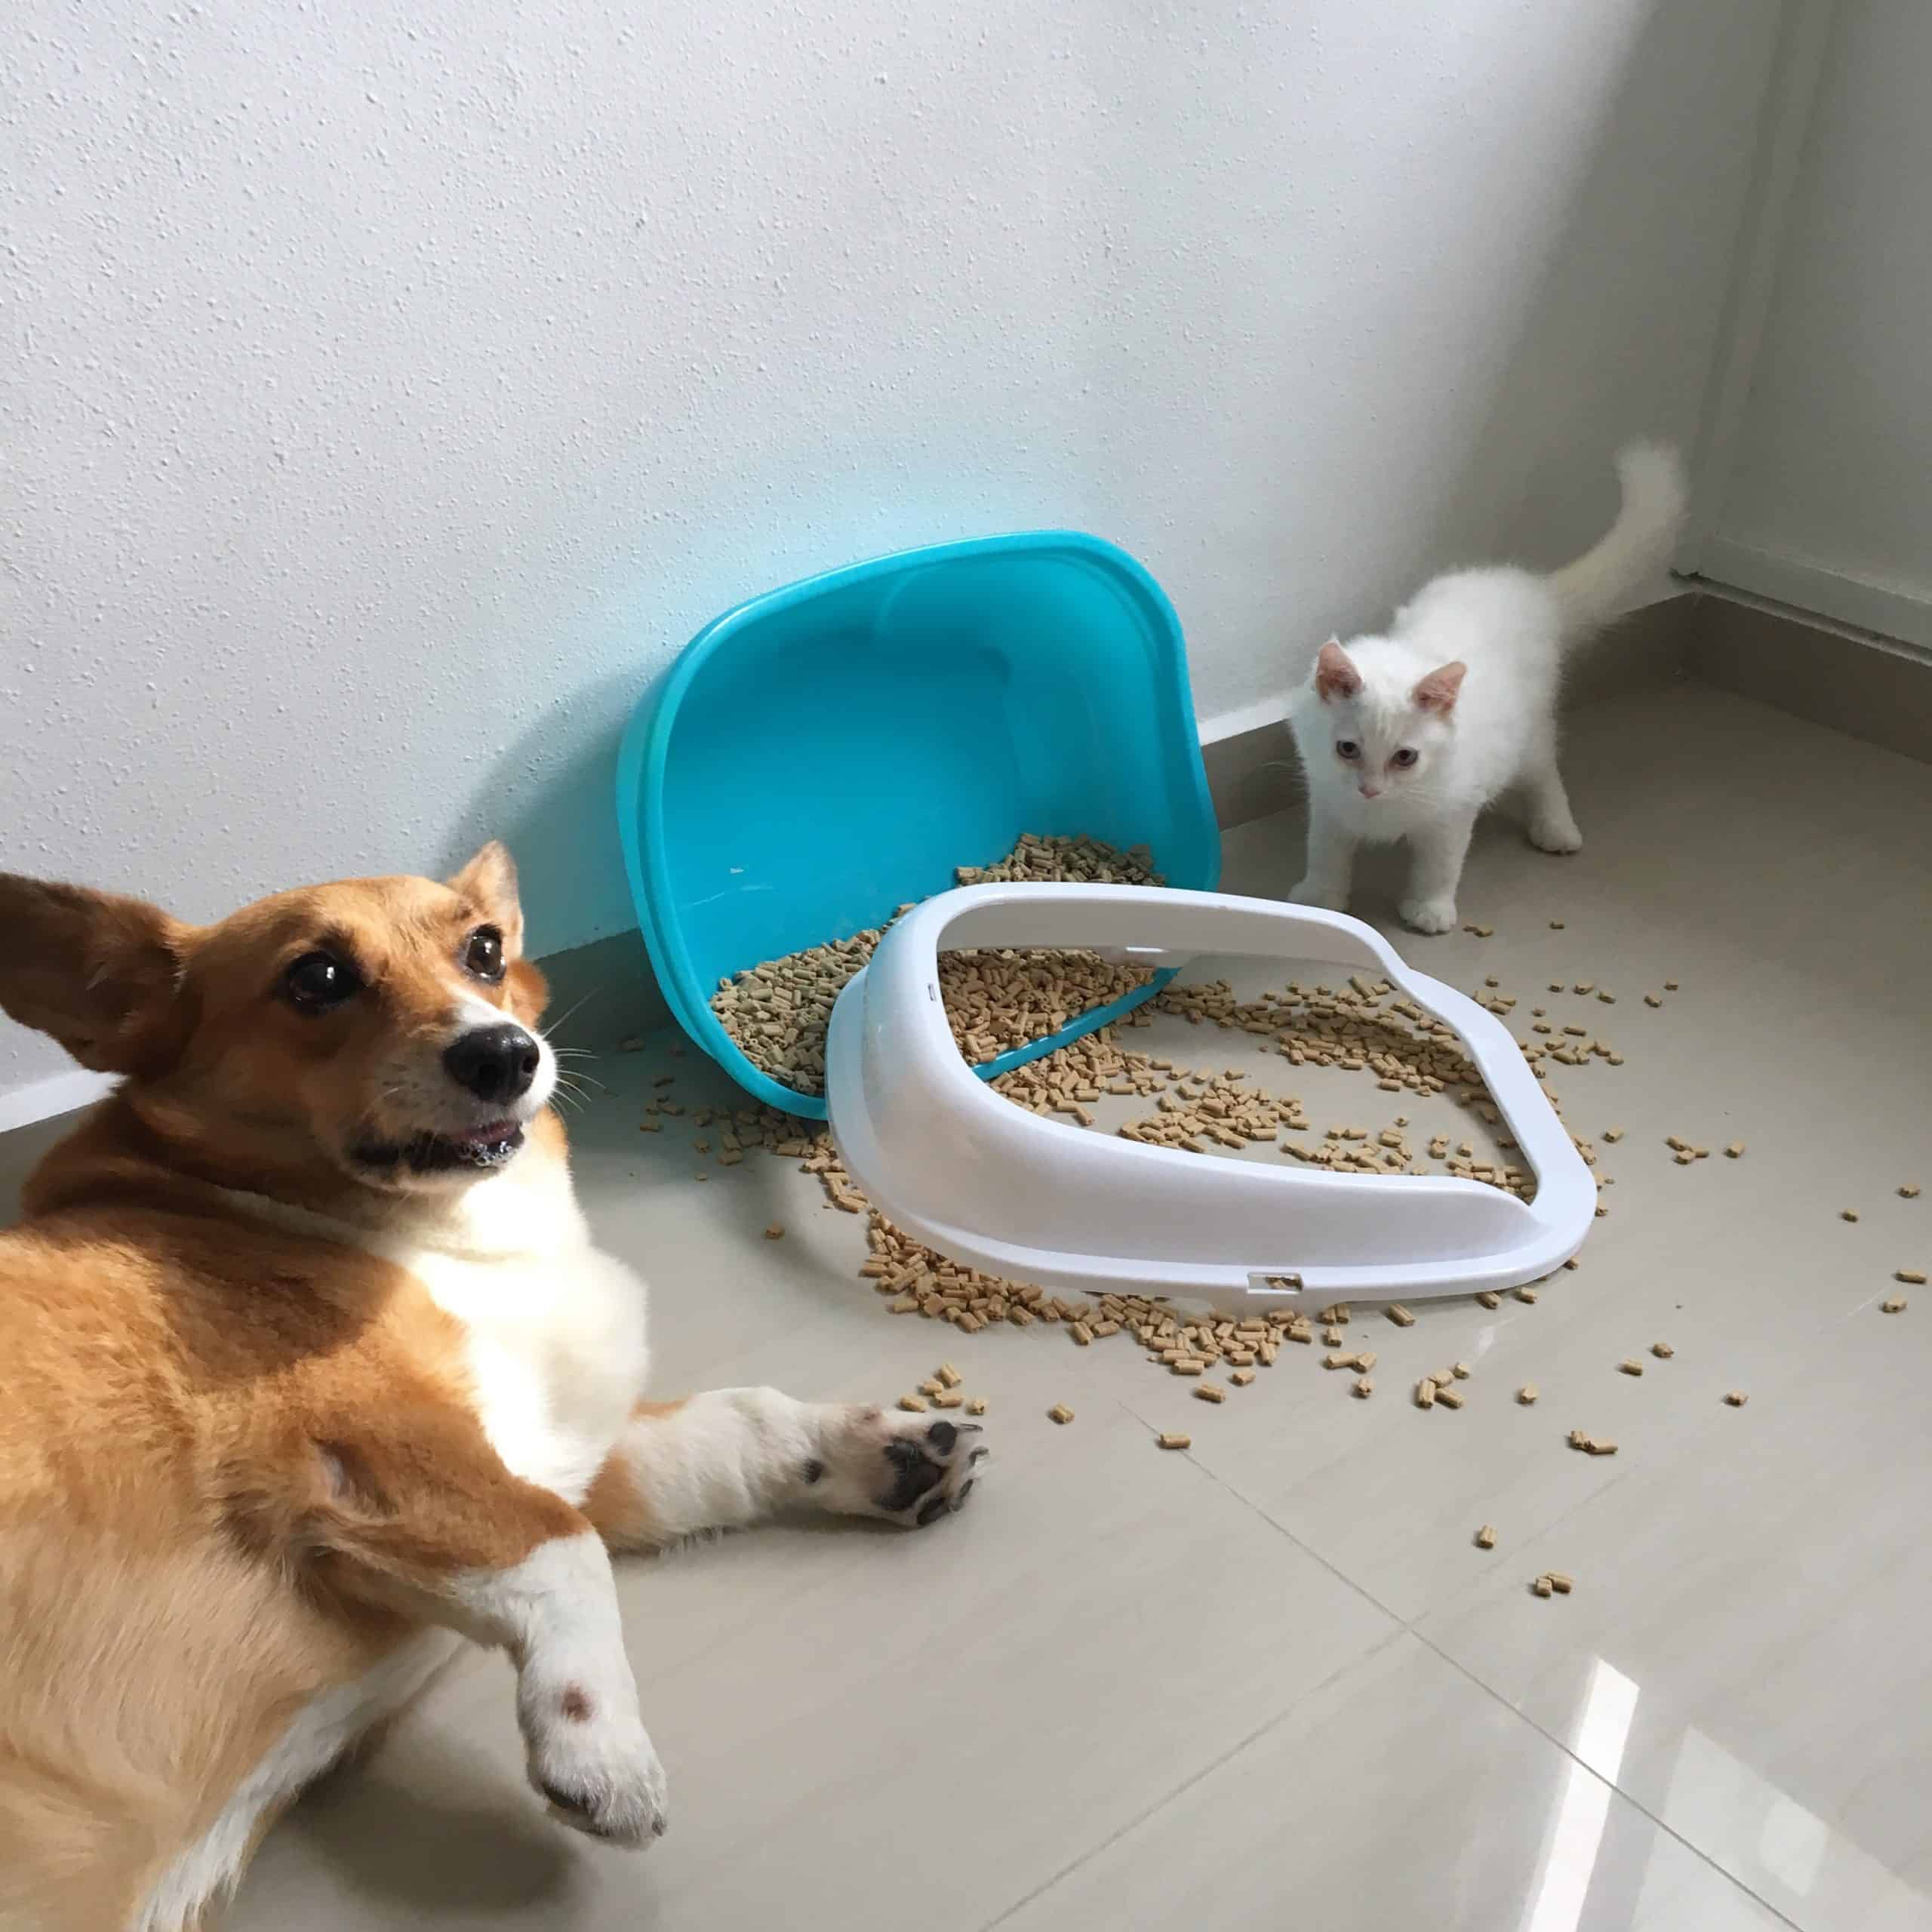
column 990, row 1185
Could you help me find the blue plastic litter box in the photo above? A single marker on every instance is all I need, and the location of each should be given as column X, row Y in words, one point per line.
column 821, row 755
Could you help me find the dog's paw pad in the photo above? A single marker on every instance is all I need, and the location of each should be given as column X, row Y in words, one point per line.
column 911, row 1470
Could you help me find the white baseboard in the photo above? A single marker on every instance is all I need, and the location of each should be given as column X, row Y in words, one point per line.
column 43, row 1099
column 1894, row 611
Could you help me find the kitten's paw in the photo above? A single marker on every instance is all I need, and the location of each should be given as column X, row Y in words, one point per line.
column 1313, row 892
column 1428, row 915
column 1555, row 835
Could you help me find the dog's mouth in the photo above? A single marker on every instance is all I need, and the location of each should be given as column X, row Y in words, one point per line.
column 481, row 1148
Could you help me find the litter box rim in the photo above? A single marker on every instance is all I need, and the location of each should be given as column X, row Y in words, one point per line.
column 921, row 1139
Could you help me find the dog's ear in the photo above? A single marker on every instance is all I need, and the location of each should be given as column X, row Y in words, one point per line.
column 101, row 974
column 489, row 883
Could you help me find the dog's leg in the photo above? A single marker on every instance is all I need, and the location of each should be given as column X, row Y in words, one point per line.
column 732, row 1455
column 427, row 1519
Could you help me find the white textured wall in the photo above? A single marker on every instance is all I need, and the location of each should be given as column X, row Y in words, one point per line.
column 389, row 387
column 1830, row 493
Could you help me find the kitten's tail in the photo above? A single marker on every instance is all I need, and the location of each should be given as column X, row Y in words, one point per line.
column 1605, row 581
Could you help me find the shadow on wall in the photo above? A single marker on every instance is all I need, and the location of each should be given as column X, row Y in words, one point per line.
column 1617, row 324
column 561, row 823
column 1537, row 486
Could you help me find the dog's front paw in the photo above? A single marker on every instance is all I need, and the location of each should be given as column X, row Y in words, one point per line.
column 1428, row 915
column 1312, row 892
column 912, row 1469
column 597, row 1769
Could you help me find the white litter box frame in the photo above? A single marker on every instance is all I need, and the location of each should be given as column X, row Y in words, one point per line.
column 950, row 1161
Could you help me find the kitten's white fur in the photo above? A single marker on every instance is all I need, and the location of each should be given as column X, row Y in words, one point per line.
column 1467, row 681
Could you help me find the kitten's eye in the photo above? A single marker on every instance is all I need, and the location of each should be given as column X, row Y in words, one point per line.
column 483, row 954
column 1405, row 758
column 1347, row 748
column 318, row 981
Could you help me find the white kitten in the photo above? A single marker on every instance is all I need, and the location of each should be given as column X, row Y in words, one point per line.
column 1409, row 736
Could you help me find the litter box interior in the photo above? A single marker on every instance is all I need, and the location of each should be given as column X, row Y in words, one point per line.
column 827, row 752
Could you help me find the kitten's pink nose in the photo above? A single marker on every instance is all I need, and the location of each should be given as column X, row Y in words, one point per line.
column 1369, row 790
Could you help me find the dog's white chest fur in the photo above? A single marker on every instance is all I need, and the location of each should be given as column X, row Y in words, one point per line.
column 556, row 1328
column 557, row 1352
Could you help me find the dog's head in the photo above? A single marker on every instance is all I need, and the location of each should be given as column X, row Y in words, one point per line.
column 384, row 1028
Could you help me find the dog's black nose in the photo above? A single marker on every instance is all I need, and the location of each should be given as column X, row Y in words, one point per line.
column 494, row 1062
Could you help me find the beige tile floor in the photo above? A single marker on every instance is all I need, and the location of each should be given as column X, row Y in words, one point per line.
column 1272, row 1681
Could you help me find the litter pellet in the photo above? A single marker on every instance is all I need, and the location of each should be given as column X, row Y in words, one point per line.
column 1335, row 1314
column 1543, row 1587
column 1080, row 1333
column 1909, row 1191
column 1662, row 1351
column 1450, row 1398
column 1586, row 986
column 651, row 1127
column 1736, row 1148
column 1173, row 1439
column 1489, row 1298
column 1526, row 1294
column 1402, row 1318
column 1486, row 1536
column 1608, row 999
column 1556, row 925
column 1462, row 1371
column 775, row 1232
column 948, row 1374
column 1188, row 1366
column 1613, row 1133
column 1670, row 985
column 948, row 1398
column 1060, row 1413
column 1651, row 999
column 1912, row 1277
column 1561, row 1584
column 1527, row 1394
column 1210, row 1392
column 932, row 1386
column 1630, row 1365
column 1331, row 1338
column 1241, row 1377
column 1737, row 1398
column 1426, row 1392
column 1892, row 1305
column 976, row 1406
column 916, row 1404
column 663, row 1079
column 1847, row 1213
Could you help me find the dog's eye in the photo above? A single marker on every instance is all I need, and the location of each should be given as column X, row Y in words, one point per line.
column 1347, row 748
column 1405, row 757
column 484, row 954
column 318, row 981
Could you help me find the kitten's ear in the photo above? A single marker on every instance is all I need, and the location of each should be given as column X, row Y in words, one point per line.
column 1335, row 673
column 1436, row 692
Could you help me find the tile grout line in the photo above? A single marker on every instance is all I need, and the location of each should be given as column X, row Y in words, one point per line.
column 1407, row 1626
column 1523, row 1717
column 1187, row 1783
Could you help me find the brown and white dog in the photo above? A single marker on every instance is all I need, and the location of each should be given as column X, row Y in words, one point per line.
column 308, row 1370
